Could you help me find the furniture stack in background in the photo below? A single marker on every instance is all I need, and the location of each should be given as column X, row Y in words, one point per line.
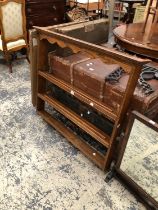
column 44, row 12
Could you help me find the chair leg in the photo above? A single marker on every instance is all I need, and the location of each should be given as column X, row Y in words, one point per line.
column 27, row 55
column 155, row 21
column 10, row 67
column 25, row 51
column 147, row 15
column 27, row 58
column 9, row 63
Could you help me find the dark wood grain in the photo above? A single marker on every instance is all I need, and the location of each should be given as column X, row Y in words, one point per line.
column 44, row 12
column 81, row 95
column 97, row 158
column 79, row 121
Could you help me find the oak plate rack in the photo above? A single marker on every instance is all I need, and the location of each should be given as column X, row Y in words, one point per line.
column 46, row 37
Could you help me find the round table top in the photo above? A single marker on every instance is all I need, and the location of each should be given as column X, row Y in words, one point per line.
column 131, row 35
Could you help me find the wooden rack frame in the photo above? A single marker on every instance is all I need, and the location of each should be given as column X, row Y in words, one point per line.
column 46, row 37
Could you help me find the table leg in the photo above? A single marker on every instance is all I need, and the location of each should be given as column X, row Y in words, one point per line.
column 130, row 13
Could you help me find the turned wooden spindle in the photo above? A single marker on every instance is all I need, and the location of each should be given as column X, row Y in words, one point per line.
column 150, row 10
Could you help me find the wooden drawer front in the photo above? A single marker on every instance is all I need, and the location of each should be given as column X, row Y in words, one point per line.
column 45, row 9
column 44, row 21
column 39, row 1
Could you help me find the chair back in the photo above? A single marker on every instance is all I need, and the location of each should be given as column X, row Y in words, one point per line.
column 12, row 20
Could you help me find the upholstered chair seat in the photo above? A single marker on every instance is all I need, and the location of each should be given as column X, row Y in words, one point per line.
column 13, row 45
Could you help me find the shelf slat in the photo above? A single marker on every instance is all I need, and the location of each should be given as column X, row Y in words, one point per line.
column 80, row 95
column 91, row 153
column 92, row 130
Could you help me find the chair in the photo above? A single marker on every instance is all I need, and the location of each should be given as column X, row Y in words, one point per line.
column 13, row 28
column 151, row 10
